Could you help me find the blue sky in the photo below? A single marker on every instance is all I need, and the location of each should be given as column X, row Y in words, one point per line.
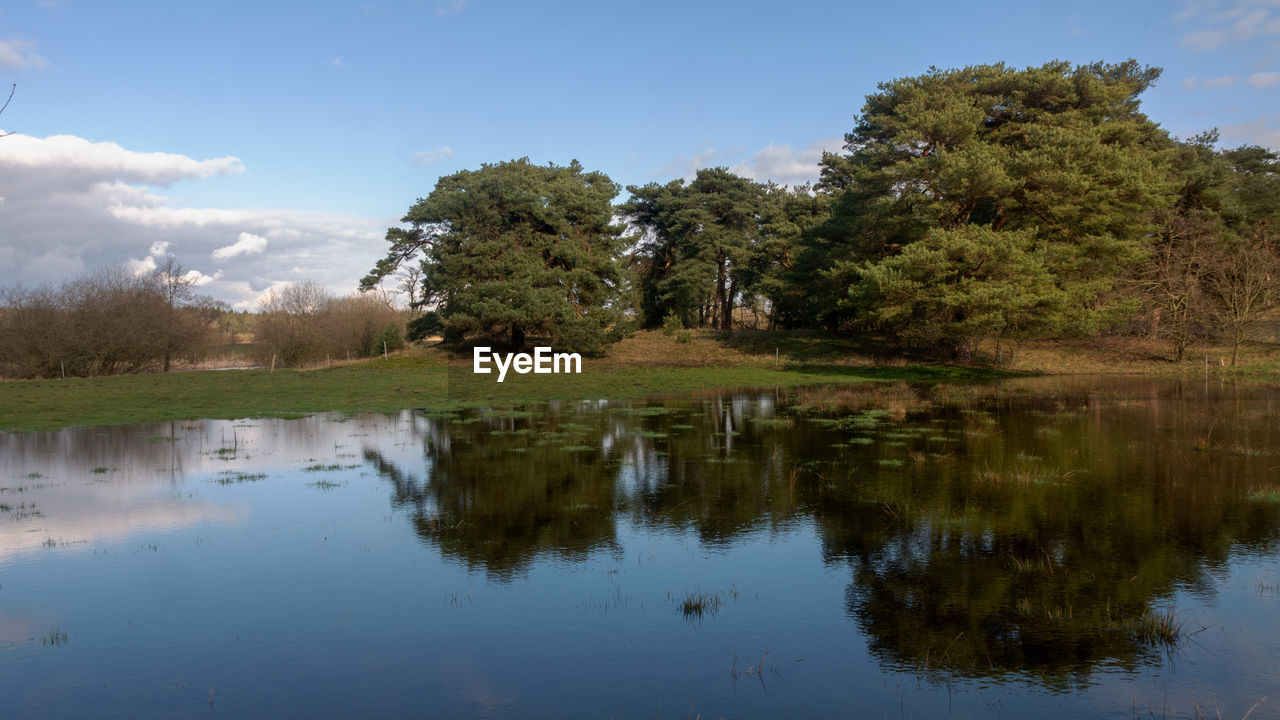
column 265, row 143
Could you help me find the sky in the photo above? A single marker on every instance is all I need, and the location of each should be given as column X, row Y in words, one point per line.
column 266, row 143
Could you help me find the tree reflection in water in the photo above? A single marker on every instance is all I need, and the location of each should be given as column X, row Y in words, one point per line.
column 998, row 530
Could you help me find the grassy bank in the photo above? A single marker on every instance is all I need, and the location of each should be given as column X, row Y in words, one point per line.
column 427, row 378
column 646, row 364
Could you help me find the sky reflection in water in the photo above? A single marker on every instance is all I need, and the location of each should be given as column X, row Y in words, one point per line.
column 973, row 550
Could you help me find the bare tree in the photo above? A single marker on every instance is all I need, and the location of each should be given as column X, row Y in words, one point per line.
column 1241, row 286
column 1171, row 279
column 180, row 329
column 410, row 276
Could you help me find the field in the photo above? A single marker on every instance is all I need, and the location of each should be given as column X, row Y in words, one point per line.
column 649, row 363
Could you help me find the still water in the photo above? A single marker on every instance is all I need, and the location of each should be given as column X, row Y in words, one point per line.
column 999, row 550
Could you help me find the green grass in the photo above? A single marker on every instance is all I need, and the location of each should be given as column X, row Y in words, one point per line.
column 431, row 380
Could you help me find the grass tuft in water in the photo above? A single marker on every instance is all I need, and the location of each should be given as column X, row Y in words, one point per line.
column 698, row 603
column 233, row 477
column 1158, row 628
column 55, row 638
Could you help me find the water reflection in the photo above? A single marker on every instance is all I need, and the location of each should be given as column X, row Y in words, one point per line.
column 1019, row 531
column 987, row 529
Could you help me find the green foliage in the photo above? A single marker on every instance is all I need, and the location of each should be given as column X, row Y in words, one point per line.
column 701, row 248
column 388, row 340
column 684, row 336
column 671, row 324
column 517, row 248
column 1060, row 154
column 954, row 287
column 427, row 325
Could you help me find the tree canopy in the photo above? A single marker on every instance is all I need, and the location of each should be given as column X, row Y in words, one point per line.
column 972, row 204
column 1059, row 154
column 516, row 249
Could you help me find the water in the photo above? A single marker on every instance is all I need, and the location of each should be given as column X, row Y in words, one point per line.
column 961, row 551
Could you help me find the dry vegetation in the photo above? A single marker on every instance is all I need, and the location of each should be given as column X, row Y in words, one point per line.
column 107, row 322
column 300, row 324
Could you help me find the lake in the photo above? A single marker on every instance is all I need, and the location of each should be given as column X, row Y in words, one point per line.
column 1080, row 547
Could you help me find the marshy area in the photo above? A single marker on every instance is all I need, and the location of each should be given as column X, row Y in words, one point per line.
column 1100, row 547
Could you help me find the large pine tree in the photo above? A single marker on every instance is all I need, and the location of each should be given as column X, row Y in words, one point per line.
column 516, row 249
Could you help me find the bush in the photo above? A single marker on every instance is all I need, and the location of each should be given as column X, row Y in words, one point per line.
column 302, row 323
column 672, row 324
column 421, row 328
column 105, row 322
column 390, row 339
column 684, row 336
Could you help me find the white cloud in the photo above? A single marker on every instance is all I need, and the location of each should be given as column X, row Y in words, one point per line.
column 450, row 7
column 74, row 156
column 432, row 157
column 1263, row 130
column 245, row 244
column 1264, row 80
column 197, row 278
column 336, row 62
column 16, row 54
column 1189, row 83
column 783, row 164
column 1224, row 81
column 1243, row 21
column 71, row 204
column 140, row 267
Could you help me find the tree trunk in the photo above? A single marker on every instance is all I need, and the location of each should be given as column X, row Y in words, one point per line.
column 726, row 310
column 721, row 301
column 517, row 336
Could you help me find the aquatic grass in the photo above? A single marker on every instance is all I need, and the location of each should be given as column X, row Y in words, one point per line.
column 330, row 467
column 56, row 638
column 1157, row 628
column 680, row 426
column 860, row 441
column 577, row 448
column 233, row 477
column 895, row 400
column 507, row 414
column 324, row 485
column 100, row 470
column 698, row 603
column 890, row 462
column 1265, row 495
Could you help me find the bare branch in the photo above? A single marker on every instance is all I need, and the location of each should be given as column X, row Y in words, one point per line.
column 12, row 90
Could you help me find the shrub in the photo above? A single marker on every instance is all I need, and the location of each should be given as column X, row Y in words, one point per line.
column 672, row 324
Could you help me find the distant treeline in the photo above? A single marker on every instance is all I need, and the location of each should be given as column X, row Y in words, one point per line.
column 972, row 205
column 112, row 321
column 109, row 321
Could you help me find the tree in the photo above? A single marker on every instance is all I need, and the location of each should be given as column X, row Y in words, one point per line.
column 1061, row 155
column 1242, row 284
column 516, row 248
column 701, row 245
column 954, row 287
column 181, row 330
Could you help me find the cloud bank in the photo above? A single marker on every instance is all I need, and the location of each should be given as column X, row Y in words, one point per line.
column 68, row 204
